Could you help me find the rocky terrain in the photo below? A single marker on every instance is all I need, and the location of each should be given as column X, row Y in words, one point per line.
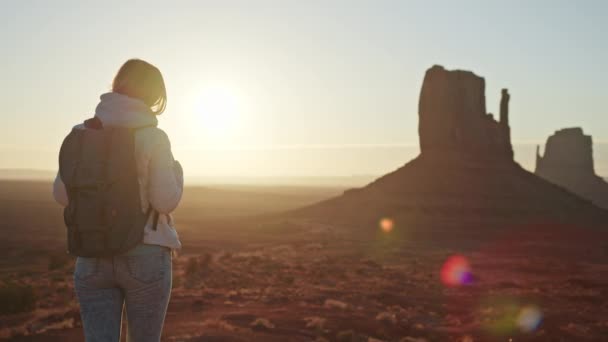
column 298, row 281
column 459, row 244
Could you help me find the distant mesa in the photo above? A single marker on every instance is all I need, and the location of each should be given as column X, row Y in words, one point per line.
column 465, row 173
column 568, row 162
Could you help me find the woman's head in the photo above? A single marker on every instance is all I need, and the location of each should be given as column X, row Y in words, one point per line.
column 142, row 80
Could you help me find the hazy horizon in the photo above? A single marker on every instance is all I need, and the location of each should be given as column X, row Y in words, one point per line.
column 395, row 157
column 290, row 89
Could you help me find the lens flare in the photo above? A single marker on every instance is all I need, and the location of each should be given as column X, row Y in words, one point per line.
column 529, row 319
column 456, row 271
column 509, row 316
column 387, row 225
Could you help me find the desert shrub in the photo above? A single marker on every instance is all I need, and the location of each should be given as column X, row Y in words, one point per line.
column 56, row 278
column 233, row 295
column 228, row 255
column 205, row 261
column 387, row 317
column 16, row 298
column 177, row 280
column 288, row 279
column 58, row 261
column 196, row 265
column 335, row 304
column 315, row 323
column 416, row 339
column 346, row 336
column 218, row 324
column 192, row 267
column 261, row 324
column 195, row 270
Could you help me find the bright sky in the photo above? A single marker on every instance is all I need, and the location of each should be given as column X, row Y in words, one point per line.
column 299, row 88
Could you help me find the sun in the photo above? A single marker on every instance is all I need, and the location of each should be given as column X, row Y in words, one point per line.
column 218, row 111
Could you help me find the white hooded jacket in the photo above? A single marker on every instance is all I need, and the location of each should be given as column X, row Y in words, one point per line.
column 161, row 180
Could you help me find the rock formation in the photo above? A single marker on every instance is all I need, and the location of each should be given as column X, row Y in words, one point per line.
column 453, row 117
column 568, row 162
column 465, row 174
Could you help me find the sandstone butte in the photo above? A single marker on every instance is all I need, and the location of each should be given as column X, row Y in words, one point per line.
column 568, row 162
column 464, row 175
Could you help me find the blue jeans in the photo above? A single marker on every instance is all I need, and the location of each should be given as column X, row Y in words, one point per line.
column 139, row 281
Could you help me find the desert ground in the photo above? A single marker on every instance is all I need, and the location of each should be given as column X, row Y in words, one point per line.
column 248, row 273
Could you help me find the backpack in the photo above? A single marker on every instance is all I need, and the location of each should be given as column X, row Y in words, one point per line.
column 97, row 165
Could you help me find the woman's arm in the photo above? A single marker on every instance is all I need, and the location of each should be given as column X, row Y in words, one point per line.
column 59, row 192
column 166, row 183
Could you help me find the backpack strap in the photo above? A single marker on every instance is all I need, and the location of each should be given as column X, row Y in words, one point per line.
column 135, row 129
column 155, row 218
column 93, row 123
column 155, row 224
column 150, row 209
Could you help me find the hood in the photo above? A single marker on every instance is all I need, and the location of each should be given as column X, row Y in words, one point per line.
column 120, row 110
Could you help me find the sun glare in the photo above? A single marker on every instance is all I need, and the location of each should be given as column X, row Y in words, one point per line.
column 218, row 110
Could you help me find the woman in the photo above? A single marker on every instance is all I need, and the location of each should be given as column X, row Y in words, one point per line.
column 140, row 279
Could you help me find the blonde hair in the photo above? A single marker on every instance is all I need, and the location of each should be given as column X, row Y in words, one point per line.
column 141, row 80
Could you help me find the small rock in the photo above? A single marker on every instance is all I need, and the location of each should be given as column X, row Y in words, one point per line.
column 334, row 304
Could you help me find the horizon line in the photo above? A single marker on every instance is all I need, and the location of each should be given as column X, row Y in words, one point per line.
column 296, row 146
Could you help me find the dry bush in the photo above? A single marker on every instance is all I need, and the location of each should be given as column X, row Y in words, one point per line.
column 58, row 261
column 57, row 278
column 15, row 298
column 195, row 265
column 387, row 317
column 218, row 324
column 335, row 304
column 205, row 261
column 195, row 269
column 286, row 278
column 373, row 339
column 233, row 295
column 412, row 339
column 321, row 339
column 176, row 281
column 316, row 323
column 261, row 324
column 346, row 336
column 192, row 267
